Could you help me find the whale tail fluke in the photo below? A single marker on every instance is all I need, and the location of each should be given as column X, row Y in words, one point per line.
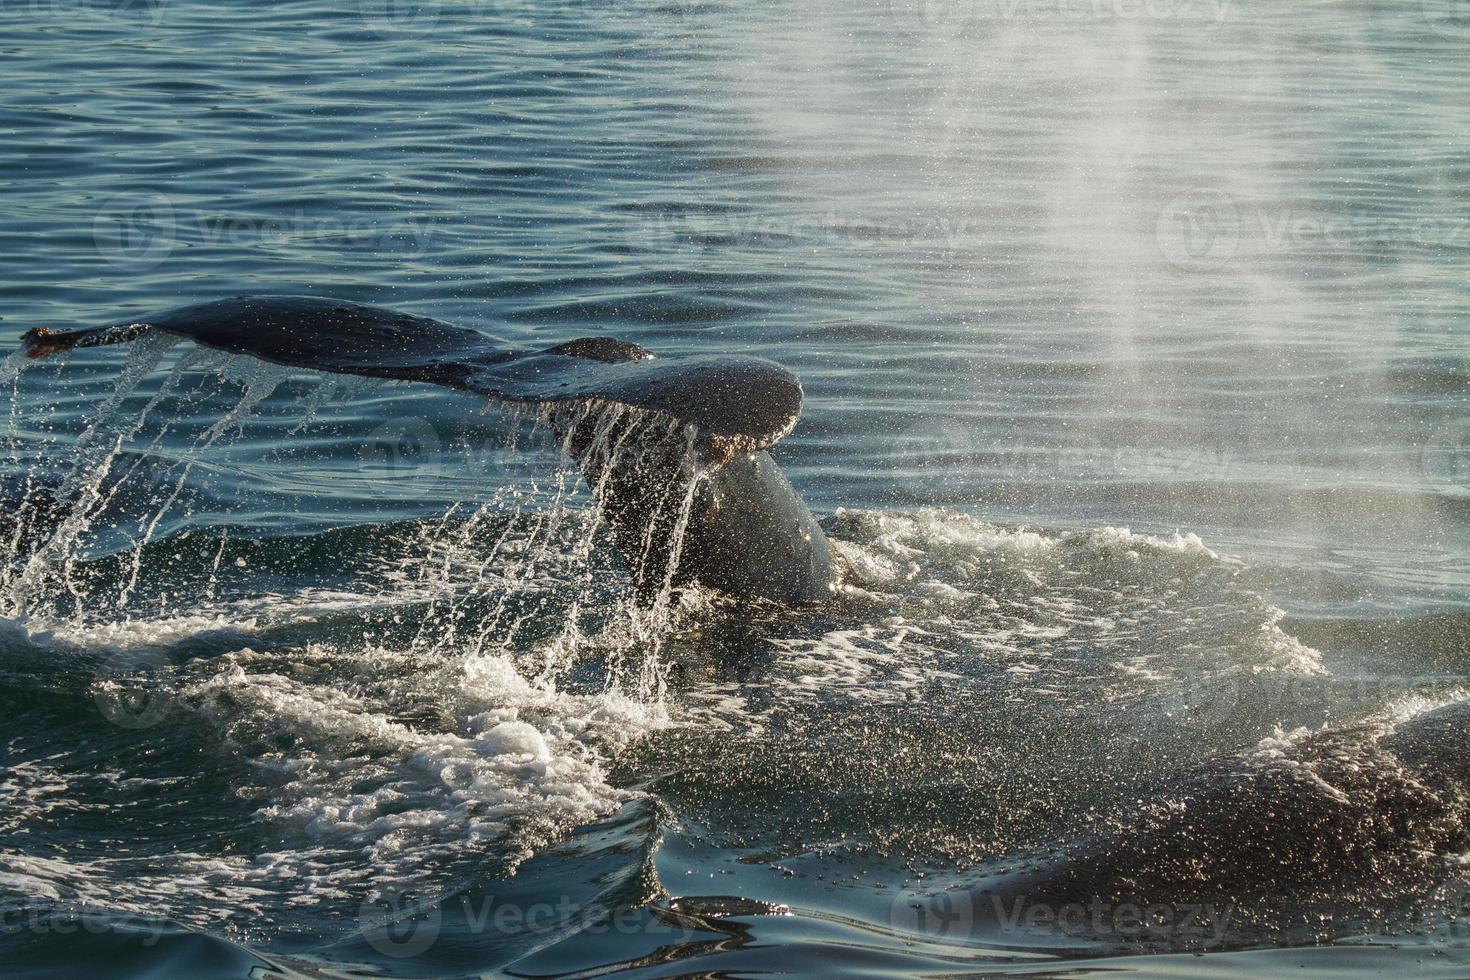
column 45, row 342
column 748, row 532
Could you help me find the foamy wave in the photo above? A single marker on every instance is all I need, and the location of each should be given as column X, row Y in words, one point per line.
column 361, row 800
column 954, row 586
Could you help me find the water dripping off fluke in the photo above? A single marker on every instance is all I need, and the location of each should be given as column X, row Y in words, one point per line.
column 11, row 366
column 528, row 576
column 668, row 451
column 53, row 523
column 525, row 574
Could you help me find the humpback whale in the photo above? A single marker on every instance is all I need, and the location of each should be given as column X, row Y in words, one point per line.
column 748, row 532
column 1318, row 836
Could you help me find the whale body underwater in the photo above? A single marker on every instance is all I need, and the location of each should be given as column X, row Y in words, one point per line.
column 745, row 532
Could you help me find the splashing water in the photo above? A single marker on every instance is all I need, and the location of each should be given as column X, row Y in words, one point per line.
column 524, row 560
column 81, row 496
column 490, row 658
column 12, row 366
column 1193, row 266
column 491, row 575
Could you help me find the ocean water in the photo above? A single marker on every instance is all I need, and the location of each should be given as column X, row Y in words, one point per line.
column 1134, row 344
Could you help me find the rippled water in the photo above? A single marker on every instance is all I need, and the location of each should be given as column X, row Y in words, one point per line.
column 1133, row 338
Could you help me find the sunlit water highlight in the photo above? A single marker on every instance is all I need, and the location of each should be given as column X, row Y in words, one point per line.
column 333, row 671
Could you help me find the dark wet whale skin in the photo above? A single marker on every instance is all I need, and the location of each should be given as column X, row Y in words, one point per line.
column 725, row 396
column 749, row 534
column 1345, row 832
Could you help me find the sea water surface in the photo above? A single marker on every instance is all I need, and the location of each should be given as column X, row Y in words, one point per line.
column 1134, row 344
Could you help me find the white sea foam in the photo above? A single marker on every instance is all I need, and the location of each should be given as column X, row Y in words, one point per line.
column 942, row 588
column 358, row 798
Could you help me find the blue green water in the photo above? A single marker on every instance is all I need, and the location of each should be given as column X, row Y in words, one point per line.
column 344, row 686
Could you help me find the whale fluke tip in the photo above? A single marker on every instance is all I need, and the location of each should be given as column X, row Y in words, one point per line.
column 44, row 342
